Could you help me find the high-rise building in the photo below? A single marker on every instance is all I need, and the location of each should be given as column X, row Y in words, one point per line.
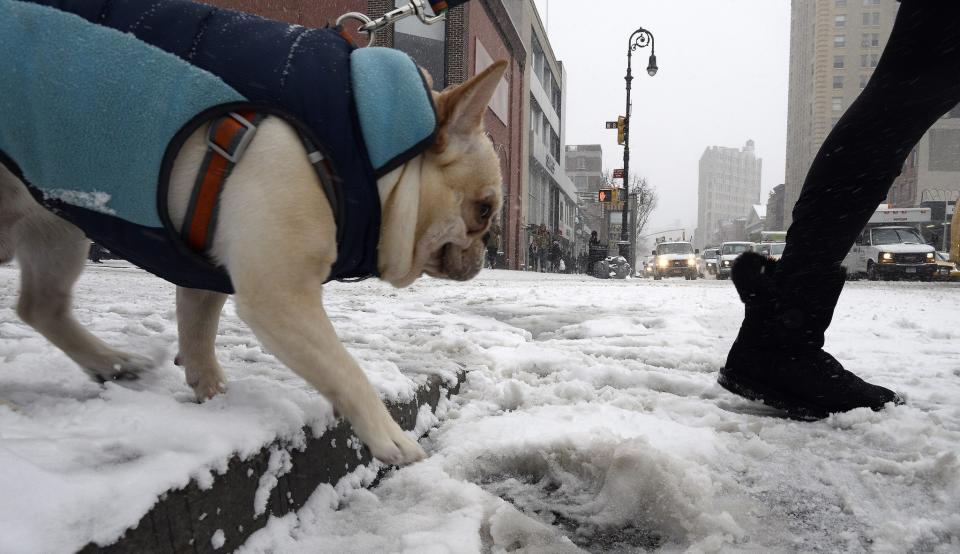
column 834, row 47
column 729, row 187
column 585, row 169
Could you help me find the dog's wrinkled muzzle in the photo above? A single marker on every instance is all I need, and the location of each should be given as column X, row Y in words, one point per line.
column 462, row 264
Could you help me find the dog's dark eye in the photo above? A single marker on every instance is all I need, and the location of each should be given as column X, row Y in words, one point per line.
column 484, row 210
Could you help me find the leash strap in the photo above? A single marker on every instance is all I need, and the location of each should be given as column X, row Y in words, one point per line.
column 227, row 140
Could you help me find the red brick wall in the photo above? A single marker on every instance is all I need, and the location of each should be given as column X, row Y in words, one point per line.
column 506, row 137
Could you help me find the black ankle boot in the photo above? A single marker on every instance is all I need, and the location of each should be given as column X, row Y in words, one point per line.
column 778, row 356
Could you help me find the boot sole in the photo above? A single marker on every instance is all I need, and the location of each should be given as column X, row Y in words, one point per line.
column 795, row 409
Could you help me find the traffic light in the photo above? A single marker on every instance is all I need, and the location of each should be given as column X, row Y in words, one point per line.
column 605, row 195
column 621, row 127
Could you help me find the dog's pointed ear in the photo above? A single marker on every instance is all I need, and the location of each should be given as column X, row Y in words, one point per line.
column 426, row 77
column 460, row 109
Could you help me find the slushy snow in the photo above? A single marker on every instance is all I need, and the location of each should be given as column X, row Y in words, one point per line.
column 590, row 420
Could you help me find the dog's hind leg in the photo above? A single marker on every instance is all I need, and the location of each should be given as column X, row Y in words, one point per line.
column 14, row 202
column 198, row 313
column 51, row 253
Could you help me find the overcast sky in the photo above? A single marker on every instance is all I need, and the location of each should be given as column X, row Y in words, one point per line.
column 723, row 79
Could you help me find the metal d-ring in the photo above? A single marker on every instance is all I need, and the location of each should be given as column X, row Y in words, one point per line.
column 365, row 24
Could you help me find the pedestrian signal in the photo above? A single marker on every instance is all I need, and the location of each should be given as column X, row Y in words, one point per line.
column 605, row 195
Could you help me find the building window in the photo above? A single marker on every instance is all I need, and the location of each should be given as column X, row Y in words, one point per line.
column 554, row 145
column 869, row 39
column 839, row 41
column 874, row 59
column 863, row 60
column 863, row 81
column 871, row 19
column 871, row 2
column 840, row 20
column 838, row 62
column 836, row 103
column 838, row 81
column 840, row 3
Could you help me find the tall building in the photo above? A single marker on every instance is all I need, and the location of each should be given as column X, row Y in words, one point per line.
column 729, row 186
column 834, row 47
column 550, row 199
column 584, row 165
column 470, row 39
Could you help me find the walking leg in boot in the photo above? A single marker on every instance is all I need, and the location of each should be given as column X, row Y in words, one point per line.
column 778, row 356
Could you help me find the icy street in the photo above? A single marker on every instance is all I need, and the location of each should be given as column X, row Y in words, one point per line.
column 590, row 420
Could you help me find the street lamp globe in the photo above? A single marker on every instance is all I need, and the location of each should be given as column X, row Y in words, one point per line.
column 652, row 65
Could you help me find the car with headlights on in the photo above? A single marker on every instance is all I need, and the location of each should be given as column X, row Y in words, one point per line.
column 707, row 263
column 729, row 252
column 675, row 259
column 946, row 270
column 646, row 267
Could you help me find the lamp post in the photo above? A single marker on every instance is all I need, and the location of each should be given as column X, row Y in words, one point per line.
column 639, row 39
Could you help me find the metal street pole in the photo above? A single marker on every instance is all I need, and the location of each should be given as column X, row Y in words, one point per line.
column 946, row 222
column 639, row 39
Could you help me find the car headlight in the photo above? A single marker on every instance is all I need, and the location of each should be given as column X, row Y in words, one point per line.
column 726, row 263
column 886, row 257
column 662, row 262
column 929, row 256
column 691, row 261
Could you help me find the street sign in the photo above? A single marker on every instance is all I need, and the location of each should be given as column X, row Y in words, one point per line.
column 618, row 173
column 611, row 125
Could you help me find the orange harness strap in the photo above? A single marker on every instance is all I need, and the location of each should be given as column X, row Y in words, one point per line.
column 227, row 139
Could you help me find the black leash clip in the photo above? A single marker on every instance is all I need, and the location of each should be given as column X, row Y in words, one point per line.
column 416, row 8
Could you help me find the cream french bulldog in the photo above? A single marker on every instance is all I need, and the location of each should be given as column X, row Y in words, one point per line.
column 278, row 245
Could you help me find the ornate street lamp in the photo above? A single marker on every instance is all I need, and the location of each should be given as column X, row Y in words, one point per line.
column 639, row 39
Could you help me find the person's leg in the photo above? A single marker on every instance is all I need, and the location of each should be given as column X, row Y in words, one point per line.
column 778, row 356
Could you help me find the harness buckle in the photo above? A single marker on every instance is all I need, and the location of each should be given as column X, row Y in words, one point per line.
column 242, row 144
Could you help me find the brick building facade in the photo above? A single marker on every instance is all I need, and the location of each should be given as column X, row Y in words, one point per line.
column 473, row 36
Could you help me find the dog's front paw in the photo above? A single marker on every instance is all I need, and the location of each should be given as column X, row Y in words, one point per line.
column 397, row 448
column 385, row 439
column 206, row 384
column 115, row 365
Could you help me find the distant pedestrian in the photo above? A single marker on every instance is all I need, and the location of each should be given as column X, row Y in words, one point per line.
column 554, row 256
column 493, row 246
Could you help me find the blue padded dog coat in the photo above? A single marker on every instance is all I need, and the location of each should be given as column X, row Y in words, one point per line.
column 97, row 97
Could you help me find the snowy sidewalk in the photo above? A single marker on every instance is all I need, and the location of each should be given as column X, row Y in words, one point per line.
column 84, row 462
column 590, row 419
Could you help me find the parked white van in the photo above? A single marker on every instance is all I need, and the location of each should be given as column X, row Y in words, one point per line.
column 891, row 246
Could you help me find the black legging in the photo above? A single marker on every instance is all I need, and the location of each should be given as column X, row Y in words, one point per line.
column 916, row 81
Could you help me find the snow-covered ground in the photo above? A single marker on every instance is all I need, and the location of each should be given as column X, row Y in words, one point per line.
column 591, row 419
